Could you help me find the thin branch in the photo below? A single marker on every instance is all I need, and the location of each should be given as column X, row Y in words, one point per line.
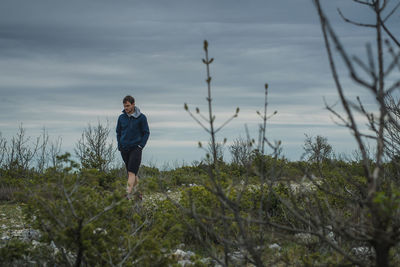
column 325, row 30
column 354, row 22
column 225, row 123
column 368, row 70
column 393, row 87
column 197, row 120
column 392, row 12
column 130, row 252
column 203, row 117
column 393, row 64
column 363, row 2
column 71, row 206
column 371, row 60
column 106, row 209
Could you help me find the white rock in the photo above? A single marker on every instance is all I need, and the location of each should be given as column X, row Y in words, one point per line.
column 185, row 263
column 206, row 260
column 306, row 238
column 180, row 253
column 99, row 230
column 54, row 247
column 275, row 246
column 35, row 243
column 17, row 233
column 190, row 254
column 237, row 257
column 362, row 251
column 331, row 237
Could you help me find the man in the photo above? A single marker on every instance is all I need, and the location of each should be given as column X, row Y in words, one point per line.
column 132, row 134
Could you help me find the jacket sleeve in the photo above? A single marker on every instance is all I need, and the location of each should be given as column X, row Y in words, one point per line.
column 118, row 130
column 145, row 131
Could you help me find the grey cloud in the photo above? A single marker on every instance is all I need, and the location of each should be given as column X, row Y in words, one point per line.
column 60, row 56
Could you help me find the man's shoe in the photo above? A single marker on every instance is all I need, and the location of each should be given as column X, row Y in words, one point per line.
column 139, row 196
column 129, row 196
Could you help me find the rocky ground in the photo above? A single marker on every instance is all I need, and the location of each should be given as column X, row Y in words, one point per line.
column 12, row 224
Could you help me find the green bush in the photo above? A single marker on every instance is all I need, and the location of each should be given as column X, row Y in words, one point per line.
column 183, row 176
column 92, row 224
column 13, row 251
column 167, row 226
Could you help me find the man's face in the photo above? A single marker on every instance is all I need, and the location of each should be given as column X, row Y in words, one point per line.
column 129, row 107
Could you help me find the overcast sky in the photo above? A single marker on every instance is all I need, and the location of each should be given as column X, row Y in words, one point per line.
column 67, row 64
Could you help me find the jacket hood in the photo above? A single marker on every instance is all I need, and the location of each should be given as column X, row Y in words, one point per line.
column 135, row 113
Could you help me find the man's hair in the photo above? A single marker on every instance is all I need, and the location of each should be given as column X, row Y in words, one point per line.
column 129, row 99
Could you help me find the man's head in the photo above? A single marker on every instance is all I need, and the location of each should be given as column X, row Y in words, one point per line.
column 129, row 104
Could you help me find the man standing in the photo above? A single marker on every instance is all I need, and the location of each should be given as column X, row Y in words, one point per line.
column 132, row 134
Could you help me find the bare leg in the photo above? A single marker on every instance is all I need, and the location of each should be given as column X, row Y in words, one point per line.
column 133, row 181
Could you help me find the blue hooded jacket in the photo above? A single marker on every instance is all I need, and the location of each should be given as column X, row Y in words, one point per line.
column 132, row 130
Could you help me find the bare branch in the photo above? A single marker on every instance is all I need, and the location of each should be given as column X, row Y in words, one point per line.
column 105, row 210
column 388, row 32
column 365, row 68
column 326, row 29
column 198, row 121
column 225, row 123
column 354, row 22
column 367, row 3
column 393, row 87
column 71, row 206
column 395, row 62
column 391, row 12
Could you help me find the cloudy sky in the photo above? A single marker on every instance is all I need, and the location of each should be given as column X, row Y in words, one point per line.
column 67, row 64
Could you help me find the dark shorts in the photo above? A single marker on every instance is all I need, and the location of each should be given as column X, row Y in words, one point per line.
column 132, row 159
